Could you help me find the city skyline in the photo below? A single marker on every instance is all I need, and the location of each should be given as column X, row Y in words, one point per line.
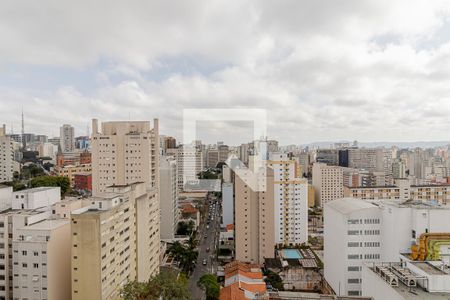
column 368, row 71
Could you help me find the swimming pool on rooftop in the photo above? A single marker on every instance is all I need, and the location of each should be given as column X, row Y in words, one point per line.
column 291, row 254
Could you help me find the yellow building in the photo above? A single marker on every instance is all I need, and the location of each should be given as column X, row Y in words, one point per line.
column 113, row 242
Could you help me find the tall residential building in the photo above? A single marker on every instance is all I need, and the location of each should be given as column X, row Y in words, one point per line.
column 291, row 200
column 7, row 163
column 190, row 163
column 124, row 153
column 399, row 169
column 111, row 244
column 254, row 217
column 168, row 197
column 27, row 239
column 360, row 231
column 227, row 203
column 41, row 260
column 328, row 182
column 67, row 138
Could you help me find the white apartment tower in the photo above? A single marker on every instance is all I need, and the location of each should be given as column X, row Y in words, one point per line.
column 34, row 250
column 190, row 162
column 291, row 200
column 6, row 156
column 360, row 231
column 328, row 182
column 67, row 138
column 168, row 197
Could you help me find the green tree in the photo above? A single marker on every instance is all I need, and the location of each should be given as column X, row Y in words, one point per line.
column 166, row 286
column 61, row 181
column 274, row 279
column 208, row 282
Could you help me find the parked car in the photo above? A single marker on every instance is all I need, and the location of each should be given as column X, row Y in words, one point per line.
column 204, row 262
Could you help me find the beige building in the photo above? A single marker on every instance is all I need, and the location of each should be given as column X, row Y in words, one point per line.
column 328, row 182
column 403, row 191
column 124, row 153
column 113, row 242
column 254, row 218
column 70, row 171
column 41, row 261
column 7, row 163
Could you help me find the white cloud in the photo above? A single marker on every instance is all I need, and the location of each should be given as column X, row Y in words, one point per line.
column 324, row 69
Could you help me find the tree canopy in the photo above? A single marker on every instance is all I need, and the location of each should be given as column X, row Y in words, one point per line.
column 166, row 285
column 61, row 181
column 209, row 283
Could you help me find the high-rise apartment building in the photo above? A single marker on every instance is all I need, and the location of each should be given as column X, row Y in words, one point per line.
column 254, row 217
column 168, row 197
column 67, row 138
column 291, row 200
column 7, row 163
column 41, row 260
column 328, row 182
column 277, row 214
column 27, row 239
column 124, row 153
column 190, row 162
column 111, row 244
column 369, row 159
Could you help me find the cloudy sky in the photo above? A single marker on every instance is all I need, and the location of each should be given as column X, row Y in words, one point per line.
column 324, row 70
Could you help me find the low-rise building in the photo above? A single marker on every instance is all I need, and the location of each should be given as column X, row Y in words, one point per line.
column 243, row 281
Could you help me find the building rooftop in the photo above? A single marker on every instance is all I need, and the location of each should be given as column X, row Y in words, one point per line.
column 48, row 224
column 24, row 212
column 38, row 189
column 349, row 205
column 407, row 282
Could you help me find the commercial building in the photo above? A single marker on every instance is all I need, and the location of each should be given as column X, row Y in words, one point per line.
column 358, row 231
column 327, row 182
column 67, row 138
column 168, row 197
column 369, row 159
column 328, row 156
column 82, row 182
column 70, row 171
column 113, row 242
